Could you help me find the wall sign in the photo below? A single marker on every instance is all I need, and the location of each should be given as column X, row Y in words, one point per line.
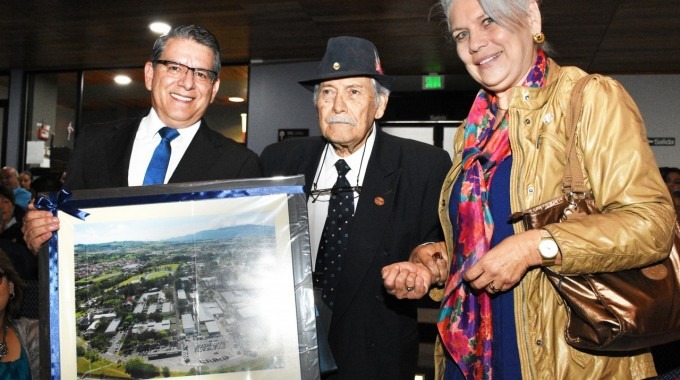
column 291, row 133
column 661, row 141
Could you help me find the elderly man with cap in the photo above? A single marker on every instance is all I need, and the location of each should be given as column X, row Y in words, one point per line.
column 372, row 199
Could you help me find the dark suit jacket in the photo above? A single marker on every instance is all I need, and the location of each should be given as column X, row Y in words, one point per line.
column 373, row 335
column 101, row 157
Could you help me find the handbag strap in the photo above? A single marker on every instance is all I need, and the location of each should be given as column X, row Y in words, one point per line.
column 573, row 181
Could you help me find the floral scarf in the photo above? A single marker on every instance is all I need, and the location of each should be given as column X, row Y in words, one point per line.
column 465, row 316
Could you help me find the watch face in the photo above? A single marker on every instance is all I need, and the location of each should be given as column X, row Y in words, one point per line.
column 548, row 248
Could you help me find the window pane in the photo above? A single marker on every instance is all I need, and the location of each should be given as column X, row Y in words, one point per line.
column 104, row 100
column 224, row 115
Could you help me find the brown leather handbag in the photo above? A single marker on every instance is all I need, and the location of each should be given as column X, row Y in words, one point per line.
column 619, row 311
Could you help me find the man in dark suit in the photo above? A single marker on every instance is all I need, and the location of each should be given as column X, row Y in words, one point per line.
column 182, row 76
column 395, row 186
column 104, row 157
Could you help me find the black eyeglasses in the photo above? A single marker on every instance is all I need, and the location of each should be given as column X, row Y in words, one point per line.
column 315, row 194
column 176, row 69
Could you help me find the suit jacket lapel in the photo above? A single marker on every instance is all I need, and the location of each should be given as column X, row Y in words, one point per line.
column 371, row 219
column 310, row 154
column 309, row 166
column 119, row 151
column 197, row 159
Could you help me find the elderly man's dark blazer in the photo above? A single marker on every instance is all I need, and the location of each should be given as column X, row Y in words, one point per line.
column 373, row 335
column 101, row 157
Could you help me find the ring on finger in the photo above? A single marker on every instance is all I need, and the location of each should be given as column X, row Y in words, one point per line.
column 493, row 288
column 409, row 288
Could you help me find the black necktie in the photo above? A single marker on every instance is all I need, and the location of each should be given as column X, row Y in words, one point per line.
column 158, row 166
column 335, row 235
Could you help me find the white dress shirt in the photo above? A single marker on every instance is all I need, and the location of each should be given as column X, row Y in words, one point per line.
column 146, row 140
column 325, row 178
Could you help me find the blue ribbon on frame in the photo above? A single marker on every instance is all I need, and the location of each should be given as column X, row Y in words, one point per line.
column 61, row 201
column 56, row 202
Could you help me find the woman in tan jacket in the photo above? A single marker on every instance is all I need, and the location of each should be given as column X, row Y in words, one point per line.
column 500, row 317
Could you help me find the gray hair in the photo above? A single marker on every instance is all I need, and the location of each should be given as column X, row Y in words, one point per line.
column 510, row 14
column 190, row 32
column 377, row 87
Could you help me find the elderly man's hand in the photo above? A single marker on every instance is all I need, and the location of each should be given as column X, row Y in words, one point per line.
column 38, row 227
column 406, row 280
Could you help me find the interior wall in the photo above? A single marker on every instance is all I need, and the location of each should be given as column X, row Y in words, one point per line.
column 658, row 97
column 277, row 101
column 44, row 105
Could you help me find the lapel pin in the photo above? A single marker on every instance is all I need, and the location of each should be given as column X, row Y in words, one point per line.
column 379, row 201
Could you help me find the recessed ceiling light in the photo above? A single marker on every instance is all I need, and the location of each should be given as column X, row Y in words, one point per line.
column 236, row 99
column 159, row 27
column 122, row 79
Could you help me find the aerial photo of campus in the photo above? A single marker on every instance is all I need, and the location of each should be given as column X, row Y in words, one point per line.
column 177, row 307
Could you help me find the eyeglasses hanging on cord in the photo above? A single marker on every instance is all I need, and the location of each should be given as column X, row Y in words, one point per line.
column 316, row 193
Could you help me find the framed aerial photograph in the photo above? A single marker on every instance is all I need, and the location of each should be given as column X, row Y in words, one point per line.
column 207, row 280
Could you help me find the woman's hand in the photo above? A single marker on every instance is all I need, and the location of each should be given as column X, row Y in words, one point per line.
column 505, row 265
column 434, row 257
column 38, row 227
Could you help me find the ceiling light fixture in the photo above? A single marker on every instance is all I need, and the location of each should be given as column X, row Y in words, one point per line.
column 159, row 27
column 122, row 80
column 236, row 99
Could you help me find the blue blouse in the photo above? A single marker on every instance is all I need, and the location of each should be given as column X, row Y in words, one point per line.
column 19, row 369
column 505, row 360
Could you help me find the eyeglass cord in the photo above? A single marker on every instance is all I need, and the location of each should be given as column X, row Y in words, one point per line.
column 323, row 160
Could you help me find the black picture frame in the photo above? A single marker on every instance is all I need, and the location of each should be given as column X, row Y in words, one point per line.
column 239, row 251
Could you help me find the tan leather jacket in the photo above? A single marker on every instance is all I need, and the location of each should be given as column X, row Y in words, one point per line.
column 635, row 228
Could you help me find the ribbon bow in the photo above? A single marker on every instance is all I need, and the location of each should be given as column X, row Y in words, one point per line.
column 58, row 202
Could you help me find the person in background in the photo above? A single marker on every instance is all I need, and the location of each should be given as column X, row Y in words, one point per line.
column 671, row 176
column 26, row 266
column 665, row 356
column 12, row 243
column 10, row 178
column 676, row 202
column 389, row 206
column 500, row 317
column 25, row 179
column 183, row 78
column 12, row 217
column 19, row 341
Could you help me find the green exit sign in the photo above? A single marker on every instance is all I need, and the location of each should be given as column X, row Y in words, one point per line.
column 433, row 82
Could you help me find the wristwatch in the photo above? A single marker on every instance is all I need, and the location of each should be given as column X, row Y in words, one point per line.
column 548, row 248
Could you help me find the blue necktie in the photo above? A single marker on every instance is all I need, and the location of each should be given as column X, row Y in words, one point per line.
column 158, row 166
column 335, row 235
